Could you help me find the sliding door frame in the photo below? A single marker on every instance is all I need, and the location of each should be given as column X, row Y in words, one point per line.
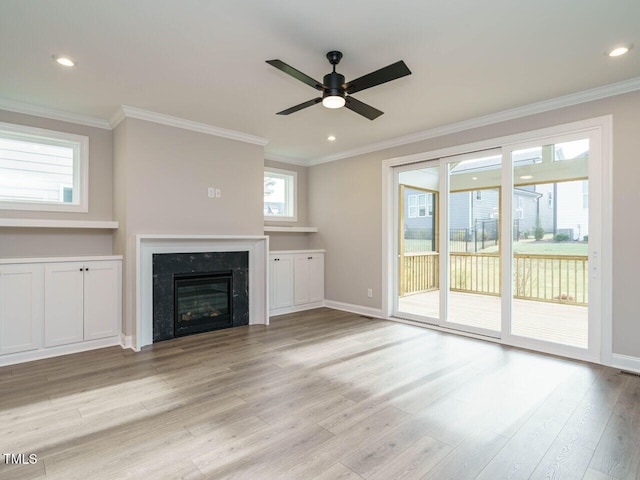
column 600, row 130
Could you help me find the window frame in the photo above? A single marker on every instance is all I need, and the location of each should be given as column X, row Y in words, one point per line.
column 291, row 194
column 80, row 146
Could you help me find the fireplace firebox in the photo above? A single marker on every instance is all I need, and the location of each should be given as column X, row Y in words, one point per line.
column 202, row 302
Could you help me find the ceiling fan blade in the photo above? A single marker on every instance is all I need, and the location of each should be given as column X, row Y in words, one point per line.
column 362, row 108
column 309, row 103
column 386, row 74
column 288, row 69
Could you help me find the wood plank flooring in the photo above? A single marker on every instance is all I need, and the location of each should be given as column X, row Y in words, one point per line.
column 320, row 395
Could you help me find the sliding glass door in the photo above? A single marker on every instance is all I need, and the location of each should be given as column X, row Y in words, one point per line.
column 515, row 266
column 419, row 243
column 448, row 246
column 551, row 238
column 473, row 247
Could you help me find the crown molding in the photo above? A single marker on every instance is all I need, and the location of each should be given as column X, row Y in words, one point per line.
column 284, row 159
column 125, row 111
column 569, row 100
column 46, row 112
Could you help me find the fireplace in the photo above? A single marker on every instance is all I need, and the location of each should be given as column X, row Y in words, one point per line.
column 198, row 292
column 145, row 307
column 202, row 302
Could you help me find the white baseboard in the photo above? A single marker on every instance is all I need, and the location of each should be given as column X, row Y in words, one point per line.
column 126, row 341
column 625, row 362
column 359, row 309
column 296, row 308
column 48, row 352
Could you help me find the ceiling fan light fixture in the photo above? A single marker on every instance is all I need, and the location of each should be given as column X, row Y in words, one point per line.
column 333, row 101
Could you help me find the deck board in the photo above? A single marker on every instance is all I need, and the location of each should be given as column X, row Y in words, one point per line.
column 553, row 322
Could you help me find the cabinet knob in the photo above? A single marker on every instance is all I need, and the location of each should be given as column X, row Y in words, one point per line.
column 309, row 258
column 86, row 269
column 81, row 269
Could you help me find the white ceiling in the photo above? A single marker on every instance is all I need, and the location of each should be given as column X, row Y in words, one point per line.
column 204, row 60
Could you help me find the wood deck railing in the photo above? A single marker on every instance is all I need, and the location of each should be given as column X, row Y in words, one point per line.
column 547, row 278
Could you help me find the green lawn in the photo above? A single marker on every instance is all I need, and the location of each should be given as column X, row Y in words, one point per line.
column 543, row 247
column 546, row 246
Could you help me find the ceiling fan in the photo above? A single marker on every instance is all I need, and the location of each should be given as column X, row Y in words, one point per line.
column 336, row 93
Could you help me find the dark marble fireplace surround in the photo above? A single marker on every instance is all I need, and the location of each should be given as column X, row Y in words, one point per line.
column 166, row 265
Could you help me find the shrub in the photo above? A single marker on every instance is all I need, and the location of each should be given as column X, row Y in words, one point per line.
column 585, row 238
column 561, row 237
column 539, row 231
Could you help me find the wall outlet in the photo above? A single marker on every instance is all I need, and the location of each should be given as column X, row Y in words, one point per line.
column 370, row 292
column 211, row 192
column 218, row 193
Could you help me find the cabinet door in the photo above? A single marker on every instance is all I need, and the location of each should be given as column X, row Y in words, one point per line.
column 309, row 278
column 21, row 307
column 101, row 299
column 281, row 281
column 63, row 303
column 301, row 279
column 316, row 277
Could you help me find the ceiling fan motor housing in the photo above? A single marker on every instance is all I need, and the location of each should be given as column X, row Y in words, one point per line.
column 334, row 82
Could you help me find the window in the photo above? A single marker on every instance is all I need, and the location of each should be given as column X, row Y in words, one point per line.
column 420, row 205
column 413, row 206
column 550, row 199
column 280, row 195
column 42, row 169
column 585, row 194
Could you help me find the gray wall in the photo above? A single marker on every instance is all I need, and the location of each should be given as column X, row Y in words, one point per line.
column 161, row 178
column 166, row 174
column 292, row 241
column 32, row 242
column 345, row 203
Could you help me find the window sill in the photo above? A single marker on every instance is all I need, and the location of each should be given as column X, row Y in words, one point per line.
column 291, row 229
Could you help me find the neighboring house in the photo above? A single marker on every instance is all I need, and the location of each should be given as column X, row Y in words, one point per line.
column 562, row 208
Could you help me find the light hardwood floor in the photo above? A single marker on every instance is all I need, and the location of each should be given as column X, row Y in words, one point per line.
column 320, row 395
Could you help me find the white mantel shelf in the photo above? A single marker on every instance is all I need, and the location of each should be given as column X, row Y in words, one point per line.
column 38, row 223
column 291, row 229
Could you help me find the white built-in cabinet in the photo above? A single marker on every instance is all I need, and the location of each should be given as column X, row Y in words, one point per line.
column 280, row 281
column 308, row 278
column 80, row 301
column 296, row 280
column 21, row 307
column 50, row 307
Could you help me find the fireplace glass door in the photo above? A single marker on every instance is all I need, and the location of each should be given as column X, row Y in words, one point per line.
column 202, row 302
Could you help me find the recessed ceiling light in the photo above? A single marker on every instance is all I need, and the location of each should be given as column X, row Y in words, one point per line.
column 331, row 138
column 620, row 50
column 526, row 177
column 65, row 61
column 474, row 178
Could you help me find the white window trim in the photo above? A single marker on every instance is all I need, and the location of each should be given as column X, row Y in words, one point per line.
column 294, row 216
column 79, row 143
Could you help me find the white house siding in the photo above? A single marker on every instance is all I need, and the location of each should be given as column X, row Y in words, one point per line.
column 571, row 213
